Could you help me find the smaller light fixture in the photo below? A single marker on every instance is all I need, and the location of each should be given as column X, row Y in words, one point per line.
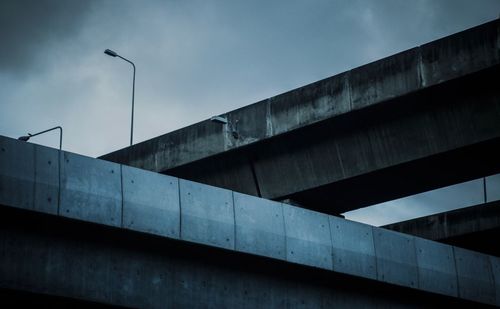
column 24, row 138
column 219, row 119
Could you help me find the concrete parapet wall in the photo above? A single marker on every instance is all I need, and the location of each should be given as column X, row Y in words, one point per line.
column 110, row 194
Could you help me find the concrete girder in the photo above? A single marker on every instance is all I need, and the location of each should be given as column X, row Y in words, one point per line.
column 214, row 221
column 409, row 113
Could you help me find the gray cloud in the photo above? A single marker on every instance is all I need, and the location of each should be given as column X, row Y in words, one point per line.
column 29, row 27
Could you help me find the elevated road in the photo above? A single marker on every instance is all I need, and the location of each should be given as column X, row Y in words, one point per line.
column 475, row 228
column 83, row 229
column 421, row 119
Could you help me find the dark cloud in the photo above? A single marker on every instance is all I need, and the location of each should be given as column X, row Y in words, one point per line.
column 29, row 27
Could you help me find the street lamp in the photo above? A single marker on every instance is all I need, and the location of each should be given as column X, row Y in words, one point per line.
column 25, row 138
column 111, row 53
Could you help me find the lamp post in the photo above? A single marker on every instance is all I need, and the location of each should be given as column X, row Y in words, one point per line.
column 111, row 53
column 25, row 138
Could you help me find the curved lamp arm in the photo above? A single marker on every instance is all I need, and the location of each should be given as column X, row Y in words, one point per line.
column 25, row 138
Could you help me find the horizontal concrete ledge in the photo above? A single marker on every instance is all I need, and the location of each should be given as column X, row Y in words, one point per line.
column 51, row 256
column 106, row 193
column 454, row 223
column 475, row 228
column 431, row 64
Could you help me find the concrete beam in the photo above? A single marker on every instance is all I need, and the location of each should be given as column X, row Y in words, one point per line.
column 218, row 218
column 434, row 63
column 415, row 112
column 450, row 224
column 54, row 261
column 475, row 228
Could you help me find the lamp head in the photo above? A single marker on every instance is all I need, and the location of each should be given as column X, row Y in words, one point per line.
column 219, row 119
column 24, row 138
column 111, row 53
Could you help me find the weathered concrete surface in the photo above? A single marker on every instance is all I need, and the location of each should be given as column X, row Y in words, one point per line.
column 353, row 248
column 436, row 267
column 475, row 277
column 454, row 56
column 18, row 173
column 99, row 192
column 308, row 237
column 150, row 202
column 475, row 228
column 396, row 258
column 50, row 255
column 259, row 226
column 423, row 112
column 207, row 214
column 91, row 189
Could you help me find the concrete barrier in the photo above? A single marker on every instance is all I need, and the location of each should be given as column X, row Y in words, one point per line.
column 475, row 279
column 493, row 188
column 207, row 214
column 436, row 267
column 353, row 251
column 47, row 179
column 90, row 190
column 260, row 227
column 495, row 268
column 17, row 173
column 151, row 202
column 308, row 239
column 396, row 259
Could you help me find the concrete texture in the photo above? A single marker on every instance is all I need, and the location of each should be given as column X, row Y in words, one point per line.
column 17, row 174
column 47, row 164
column 308, row 104
column 151, row 202
column 495, row 269
column 423, row 112
column 400, row 76
column 207, row 214
column 475, row 227
column 459, row 54
column 353, row 251
column 260, row 227
column 93, row 189
column 493, row 188
column 436, row 267
column 475, row 277
column 49, row 255
column 90, row 189
column 396, row 258
column 308, row 239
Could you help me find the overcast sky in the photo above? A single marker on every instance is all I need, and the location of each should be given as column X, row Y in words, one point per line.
column 194, row 59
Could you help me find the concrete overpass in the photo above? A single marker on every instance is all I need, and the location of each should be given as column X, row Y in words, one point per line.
column 475, row 228
column 432, row 112
column 77, row 229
